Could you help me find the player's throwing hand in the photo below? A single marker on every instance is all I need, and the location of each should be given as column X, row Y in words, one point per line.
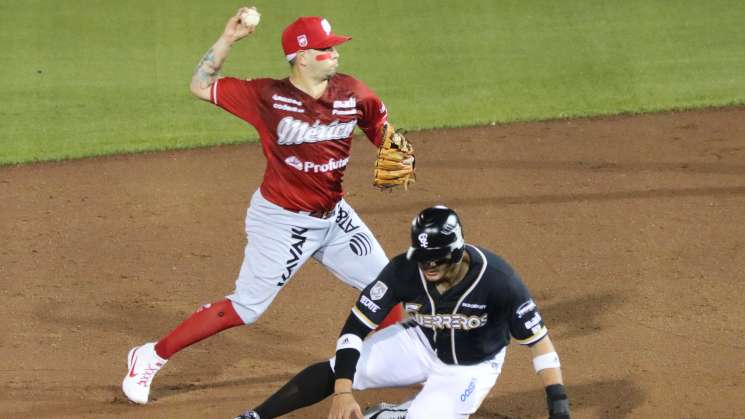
column 235, row 30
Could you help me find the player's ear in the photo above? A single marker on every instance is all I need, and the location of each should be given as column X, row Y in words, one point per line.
column 301, row 57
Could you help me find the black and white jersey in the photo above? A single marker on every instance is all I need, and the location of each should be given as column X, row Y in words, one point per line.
column 468, row 323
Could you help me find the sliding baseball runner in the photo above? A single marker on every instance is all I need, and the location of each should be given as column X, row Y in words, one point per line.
column 465, row 304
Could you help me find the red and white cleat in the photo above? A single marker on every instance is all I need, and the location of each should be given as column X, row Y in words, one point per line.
column 142, row 363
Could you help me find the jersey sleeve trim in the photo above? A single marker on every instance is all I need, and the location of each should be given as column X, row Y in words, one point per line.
column 364, row 319
column 213, row 92
column 535, row 338
column 349, row 341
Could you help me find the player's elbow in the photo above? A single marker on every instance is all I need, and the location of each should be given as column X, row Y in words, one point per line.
column 200, row 91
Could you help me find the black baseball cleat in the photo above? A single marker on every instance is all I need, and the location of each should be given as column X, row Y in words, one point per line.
column 250, row 414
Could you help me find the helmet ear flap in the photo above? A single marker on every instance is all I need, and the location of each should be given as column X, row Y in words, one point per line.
column 457, row 255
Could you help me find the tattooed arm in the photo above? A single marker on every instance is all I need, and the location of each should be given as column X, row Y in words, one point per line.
column 209, row 66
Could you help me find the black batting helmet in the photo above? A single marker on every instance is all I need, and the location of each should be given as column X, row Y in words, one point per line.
column 436, row 234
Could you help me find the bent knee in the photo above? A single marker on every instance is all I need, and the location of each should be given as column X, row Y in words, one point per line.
column 249, row 312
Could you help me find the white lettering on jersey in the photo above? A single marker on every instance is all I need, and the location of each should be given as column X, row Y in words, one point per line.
column 525, row 308
column 476, row 306
column 279, row 98
column 344, row 112
column 310, row 166
column 287, row 108
column 292, row 131
column 450, row 321
column 369, row 304
column 349, row 103
column 534, row 321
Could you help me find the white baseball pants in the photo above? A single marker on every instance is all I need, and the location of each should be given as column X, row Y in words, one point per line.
column 279, row 242
column 398, row 356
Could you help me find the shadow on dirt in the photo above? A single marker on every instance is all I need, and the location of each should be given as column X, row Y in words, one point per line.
column 592, row 396
column 275, row 380
column 578, row 317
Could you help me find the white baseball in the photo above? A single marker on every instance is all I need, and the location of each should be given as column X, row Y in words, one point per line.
column 250, row 17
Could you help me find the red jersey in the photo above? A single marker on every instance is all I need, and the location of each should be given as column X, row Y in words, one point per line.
column 306, row 141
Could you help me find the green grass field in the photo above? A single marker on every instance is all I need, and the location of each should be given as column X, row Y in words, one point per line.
column 90, row 77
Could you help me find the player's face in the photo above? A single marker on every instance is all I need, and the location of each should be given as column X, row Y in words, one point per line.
column 437, row 270
column 322, row 63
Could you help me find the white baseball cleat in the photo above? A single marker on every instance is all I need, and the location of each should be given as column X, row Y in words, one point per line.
column 387, row 411
column 142, row 363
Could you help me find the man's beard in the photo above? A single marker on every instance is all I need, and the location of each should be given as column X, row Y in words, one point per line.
column 331, row 74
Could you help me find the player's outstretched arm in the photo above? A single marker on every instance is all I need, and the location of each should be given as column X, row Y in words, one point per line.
column 209, row 66
column 547, row 366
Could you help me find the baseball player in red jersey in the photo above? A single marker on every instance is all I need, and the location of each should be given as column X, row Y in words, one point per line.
column 305, row 123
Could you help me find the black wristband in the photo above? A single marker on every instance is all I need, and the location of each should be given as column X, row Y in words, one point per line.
column 558, row 402
column 556, row 392
column 346, row 363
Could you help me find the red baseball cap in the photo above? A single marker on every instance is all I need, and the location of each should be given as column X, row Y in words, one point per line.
column 309, row 32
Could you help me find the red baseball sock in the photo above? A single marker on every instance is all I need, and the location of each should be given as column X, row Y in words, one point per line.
column 394, row 316
column 207, row 321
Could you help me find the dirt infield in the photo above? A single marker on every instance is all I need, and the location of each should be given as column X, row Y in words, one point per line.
column 629, row 231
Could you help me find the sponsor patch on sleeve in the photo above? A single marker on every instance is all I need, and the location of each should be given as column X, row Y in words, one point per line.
column 525, row 308
column 378, row 291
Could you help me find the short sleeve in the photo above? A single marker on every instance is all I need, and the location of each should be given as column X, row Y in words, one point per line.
column 526, row 323
column 239, row 97
column 373, row 111
column 377, row 299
